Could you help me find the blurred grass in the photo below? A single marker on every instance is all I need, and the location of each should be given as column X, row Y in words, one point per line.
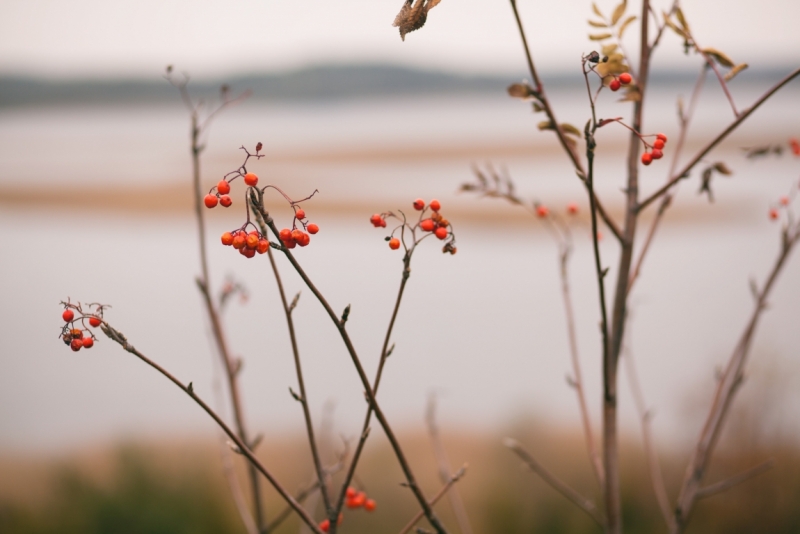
column 179, row 487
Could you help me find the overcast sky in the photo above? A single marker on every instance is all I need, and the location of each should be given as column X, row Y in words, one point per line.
column 212, row 38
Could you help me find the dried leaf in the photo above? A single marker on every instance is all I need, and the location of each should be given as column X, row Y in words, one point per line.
column 537, row 107
column 673, row 27
column 597, row 11
column 625, row 25
column 721, row 168
column 570, row 129
column 682, row 19
column 599, row 36
column 632, row 94
column 596, row 24
column 609, row 49
column 721, row 58
column 520, row 90
column 618, row 12
column 413, row 16
column 546, row 125
column 734, row 71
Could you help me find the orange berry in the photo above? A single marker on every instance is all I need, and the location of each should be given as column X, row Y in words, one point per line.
column 428, row 225
column 773, row 214
column 657, row 154
column 662, row 137
column 324, row 526
column 87, row 342
column 300, row 214
column 297, row 235
column 784, row 201
column 312, row 228
column 304, row 240
column 227, row 239
column 211, row 200
column 625, row 78
column 291, row 243
column 285, row 234
column 250, row 179
column 94, row 321
column 435, row 206
column 76, row 344
column 350, row 492
column 542, row 211
column 647, row 158
column 369, row 505
column 251, row 241
column 223, row 187
column 441, row 232
column 659, row 144
column 226, row 201
column 239, row 241
column 263, row 246
column 394, row 243
column 614, row 85
column 68, row 315
column 572, row 208
column 419, row 204
column 376, row 220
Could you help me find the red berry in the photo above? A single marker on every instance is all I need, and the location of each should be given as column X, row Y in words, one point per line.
column 435, row 206
column 312, row 228
column 94, row 321
column 376, row 220
column 383, row 223
column 325, row 526
column 428, row 225
column 773, row 214
column 297, row 235
column 614, row 85
column 572, row 208
column 542, row 211
column 247, row 252
column 357, row 501
column 441, row 232
column 239, row 240
column 223, row 187
column 657, row 154
column 290, row 243
column 300, row 214
column 659, row 144
column 662, row 137
column 263, row 246
column 394, row 243
column 226, row 201
column 251, row 240
column 76, row 344
column 625, row 78
column 647, row 158
column 211, row 200
column 784, row 201
column 87, row 342
column 350, row 492
column 250, row 179
column 285, row 234
column 369, row 505
column 68, row 315
column 227, row 239
column 304, row 240
column 419, row 204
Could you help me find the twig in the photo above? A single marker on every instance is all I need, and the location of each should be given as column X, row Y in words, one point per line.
column 242, row 447
column 577, row 499
column 684, row 172
column 453, row 479
column 456, row 503
column 744, row 476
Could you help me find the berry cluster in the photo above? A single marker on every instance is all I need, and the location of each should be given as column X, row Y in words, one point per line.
column 247, row 243
column 542, row 211
column 219, row 194
column 74, row 332
column 353, row 500
column 656, row 151
column 619, row 81
column 783, row 204
column 435, row 224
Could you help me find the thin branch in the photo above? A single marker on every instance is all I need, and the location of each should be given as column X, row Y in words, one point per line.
column 744, row 476
column 242, row 447
column 233, row 484
column 456, row 503
column 684, row 172
column 455, row 478
column 576, row 498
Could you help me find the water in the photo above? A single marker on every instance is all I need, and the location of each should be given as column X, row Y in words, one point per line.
column 483, row 328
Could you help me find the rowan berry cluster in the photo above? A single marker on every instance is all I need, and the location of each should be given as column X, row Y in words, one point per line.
column 433, row 224
column 783, row 204
column 247, row 243
column 219, row 194
column 619, row 81
column 542, row 211
column 354, row 499
column 656, row 149
column 74, row 331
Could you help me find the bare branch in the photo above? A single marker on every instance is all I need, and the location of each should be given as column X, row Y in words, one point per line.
column 455, row 478
column 727, row 484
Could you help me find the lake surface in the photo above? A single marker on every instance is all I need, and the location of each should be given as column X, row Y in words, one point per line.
column 483, row 328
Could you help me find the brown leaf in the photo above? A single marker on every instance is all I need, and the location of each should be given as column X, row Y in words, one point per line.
column 721, row 58
column 597, row 11
column 537, row 107
column 682, row 19
column 721, row 168
column 618, row 12
column 520, row 90
column 673, row 27
column 545, row 125
column 599, row 36
column 734, row 71
column 570, row 129
column 624, row 25
column 609, row 49
column 413, row 16
column 596, row 24
column 632, row 94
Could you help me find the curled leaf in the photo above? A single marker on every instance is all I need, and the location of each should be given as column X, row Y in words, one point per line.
column 618, row 12
column 599, row 36
column 625, row 25
column 412, row 15
column 735, row 70
column 570, row 129
column 546, row 125
column 719, row 56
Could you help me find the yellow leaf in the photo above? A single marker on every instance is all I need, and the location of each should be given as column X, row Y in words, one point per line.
column 721, row 58
column 599, row 36
column 609, row 49
column 672, row 26
column 545, row 125
column 570, row 129
column 722, row 168
column 625, row 25
column 681, row 19
column 597, row 10
column 618, row 12
column 596, row 24
column 734, row 71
